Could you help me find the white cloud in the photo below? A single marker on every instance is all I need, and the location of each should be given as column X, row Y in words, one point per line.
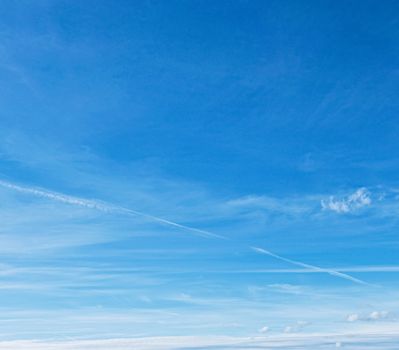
column 101, row 206
column 264, row 329
column 266, row 204
column 296, row 327
column 378, row 315
column 286, row 288
column 360, row 198
column 372, row 316
column 288, row 329
column 359, row 340
column 107, row 207
column 352, row 318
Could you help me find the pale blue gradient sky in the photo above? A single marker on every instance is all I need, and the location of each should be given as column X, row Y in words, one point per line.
column 269, row 124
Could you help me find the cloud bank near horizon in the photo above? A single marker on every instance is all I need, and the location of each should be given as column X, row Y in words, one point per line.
column 361, row 341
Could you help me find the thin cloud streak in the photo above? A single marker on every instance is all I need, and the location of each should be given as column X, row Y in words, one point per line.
column 357, row 340
column 101, row 206
column 361, row 269
column 105, row 207
column 311, row 267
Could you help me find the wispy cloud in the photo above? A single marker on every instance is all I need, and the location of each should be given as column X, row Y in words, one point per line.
column 58, row 197
column 359, row 341
column 297, row 327
column 106, row 207
column 101, row 206
column 286, row 288
column 289, row 206
column 362, row 269
column 360, row 198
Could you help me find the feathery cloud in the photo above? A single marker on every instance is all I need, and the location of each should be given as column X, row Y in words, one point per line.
column 105, row 207
column 360, row 198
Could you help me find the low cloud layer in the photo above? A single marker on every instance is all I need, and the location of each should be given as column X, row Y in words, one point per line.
column 289, row 341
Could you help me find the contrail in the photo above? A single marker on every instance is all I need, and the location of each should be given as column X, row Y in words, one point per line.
column 310, row 267
column 102, row 206
column 107, row 207
column 171, row 223
column 57, row 196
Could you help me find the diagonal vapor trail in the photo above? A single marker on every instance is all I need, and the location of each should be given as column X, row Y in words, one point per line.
column 310, row 267
column 102, row 206
column 108, row 208
column 171, row 223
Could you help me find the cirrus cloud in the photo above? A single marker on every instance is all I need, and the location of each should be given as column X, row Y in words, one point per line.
column 360, row 198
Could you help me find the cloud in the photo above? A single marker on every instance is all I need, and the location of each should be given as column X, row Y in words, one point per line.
column 360, row 198
column 288, row 341
column 296, row 327
column 363, row 269
column 288, row 206
column 288, row 329
column 378, row 315
column 101, row 206
column 264, row 329
column 107, row 207
column 91, row 204
column 352, row 318
column 286, row 288
column 372, row 316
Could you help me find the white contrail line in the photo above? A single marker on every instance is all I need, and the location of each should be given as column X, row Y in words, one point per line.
column 310, row 267
column 106, row 207
column 57, row 196
column 102, row 206
column 171, row 223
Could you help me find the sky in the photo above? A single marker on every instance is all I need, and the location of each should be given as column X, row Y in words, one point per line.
column 199, row 174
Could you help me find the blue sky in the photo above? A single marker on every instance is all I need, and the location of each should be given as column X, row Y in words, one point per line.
column 206, row 169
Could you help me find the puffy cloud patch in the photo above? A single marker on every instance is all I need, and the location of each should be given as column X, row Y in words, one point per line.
column 378, row 315
column 352, row 318
column 372, row 316
column 360, row 198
